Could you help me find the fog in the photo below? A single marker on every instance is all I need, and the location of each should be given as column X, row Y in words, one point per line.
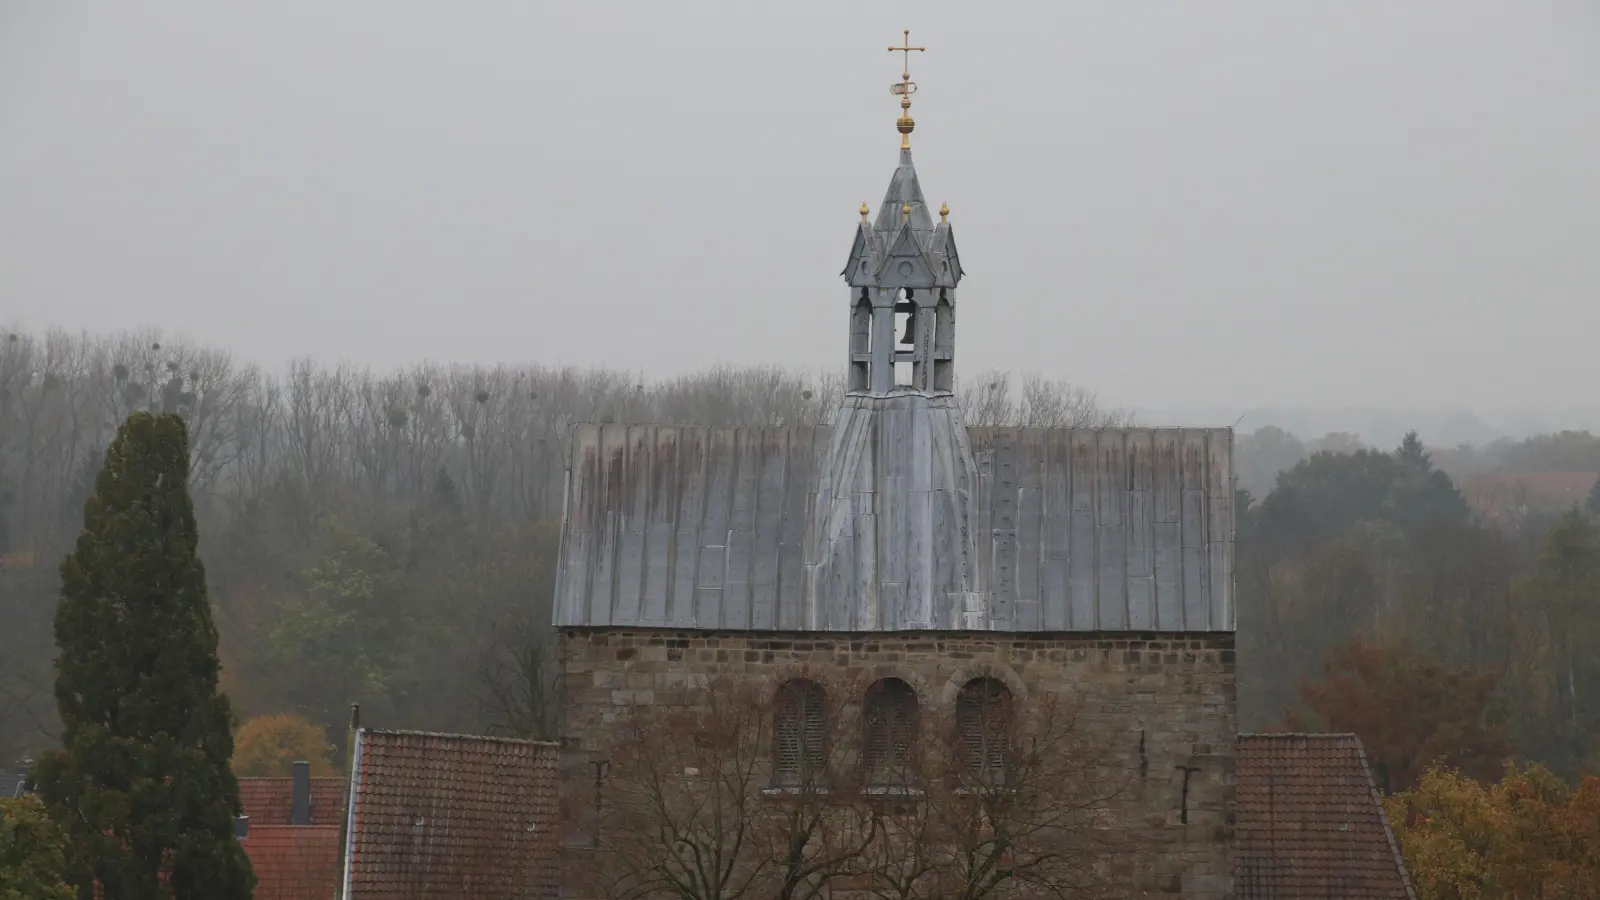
column 1203, row 206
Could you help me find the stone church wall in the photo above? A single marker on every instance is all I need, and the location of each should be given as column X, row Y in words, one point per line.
column 1171, row 697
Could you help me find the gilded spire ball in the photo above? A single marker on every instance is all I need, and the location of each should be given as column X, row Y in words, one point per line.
column 944, row 212
column 865, row 210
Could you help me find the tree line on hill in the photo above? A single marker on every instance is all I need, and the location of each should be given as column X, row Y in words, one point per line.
column 387, row 537
column 390, row 538
column 1370, row 568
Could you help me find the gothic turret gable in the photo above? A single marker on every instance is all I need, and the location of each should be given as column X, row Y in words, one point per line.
column 865, row 253
column 904, row 230
column 907, row 264
column 944, row 249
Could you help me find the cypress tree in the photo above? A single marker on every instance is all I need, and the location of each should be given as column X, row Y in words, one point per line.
column 142, row 784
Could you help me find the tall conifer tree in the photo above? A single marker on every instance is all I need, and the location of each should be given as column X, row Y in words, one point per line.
column 142, row 784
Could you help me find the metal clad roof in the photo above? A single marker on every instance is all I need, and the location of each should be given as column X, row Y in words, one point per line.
column 899, row 518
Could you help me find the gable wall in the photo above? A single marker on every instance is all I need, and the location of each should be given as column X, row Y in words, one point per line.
column 1165, row 701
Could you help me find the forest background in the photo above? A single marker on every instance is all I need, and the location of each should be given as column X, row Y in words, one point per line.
column 389, row 538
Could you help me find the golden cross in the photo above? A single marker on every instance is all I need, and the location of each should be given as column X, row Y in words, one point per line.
column 907, row 51
column 904, row 89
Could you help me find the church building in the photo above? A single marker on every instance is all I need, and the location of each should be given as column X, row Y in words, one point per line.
column 948, row 560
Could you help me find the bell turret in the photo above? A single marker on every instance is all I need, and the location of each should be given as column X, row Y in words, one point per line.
column 903, row 271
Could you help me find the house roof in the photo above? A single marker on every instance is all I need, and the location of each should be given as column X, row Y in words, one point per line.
column 442, row 815
column 1498, row 495
column 1310, row 822
column 270, row 801
column 13, row 784
column 294, row 862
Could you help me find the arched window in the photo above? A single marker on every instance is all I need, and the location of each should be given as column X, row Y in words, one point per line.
column 799, row 752
column 890, row 720
column 983, row 720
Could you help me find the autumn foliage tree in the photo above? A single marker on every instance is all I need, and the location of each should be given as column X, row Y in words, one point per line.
column 1409, row 711
column 33, row 853
column 1528, row 835
column 268, row 746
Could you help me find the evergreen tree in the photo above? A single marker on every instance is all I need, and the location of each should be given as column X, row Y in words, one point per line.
column 1413, row 454
column 142, row 783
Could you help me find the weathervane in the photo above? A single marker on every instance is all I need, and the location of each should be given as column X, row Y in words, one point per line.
column 904, row 90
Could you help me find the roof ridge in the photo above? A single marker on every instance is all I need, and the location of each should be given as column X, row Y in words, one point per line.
column 471, row 737
column 1300, row 734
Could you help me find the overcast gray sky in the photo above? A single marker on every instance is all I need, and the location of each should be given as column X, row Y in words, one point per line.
column 1364, row 202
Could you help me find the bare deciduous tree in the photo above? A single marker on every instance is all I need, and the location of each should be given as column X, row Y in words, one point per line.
column 695, row 806
column 705, row 802
column 517, row 680
column 276, row 455
column 987, row 400
column 1037, row 821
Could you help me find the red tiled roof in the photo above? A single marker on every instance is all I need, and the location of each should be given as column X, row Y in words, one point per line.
column 1310, row 822
column 440, row 815
column 270, row 801
column 1497, row 495
column 294, row 862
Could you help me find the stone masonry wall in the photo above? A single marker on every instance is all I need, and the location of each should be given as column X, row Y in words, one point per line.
column 1171, row 697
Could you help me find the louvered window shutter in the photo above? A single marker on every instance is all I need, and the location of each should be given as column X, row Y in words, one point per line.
column 983, row 721
column 814, row 750
column 891, row 722
column 799, row 750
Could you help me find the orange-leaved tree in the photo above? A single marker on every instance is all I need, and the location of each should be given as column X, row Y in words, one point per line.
column 1528, row 835
column 1410, row 712
column 267, row 746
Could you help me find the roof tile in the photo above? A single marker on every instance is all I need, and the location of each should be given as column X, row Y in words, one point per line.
column 439, row 815
column 270, row 801
column 294, row 862
column 1310, row 822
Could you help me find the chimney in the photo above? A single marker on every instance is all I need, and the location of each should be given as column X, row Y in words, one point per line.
column 301, row 811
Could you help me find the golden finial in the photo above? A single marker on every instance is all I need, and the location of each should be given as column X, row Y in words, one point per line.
column 904, row 90
column 944, row 213
column 907, row 210
column 865, row 210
